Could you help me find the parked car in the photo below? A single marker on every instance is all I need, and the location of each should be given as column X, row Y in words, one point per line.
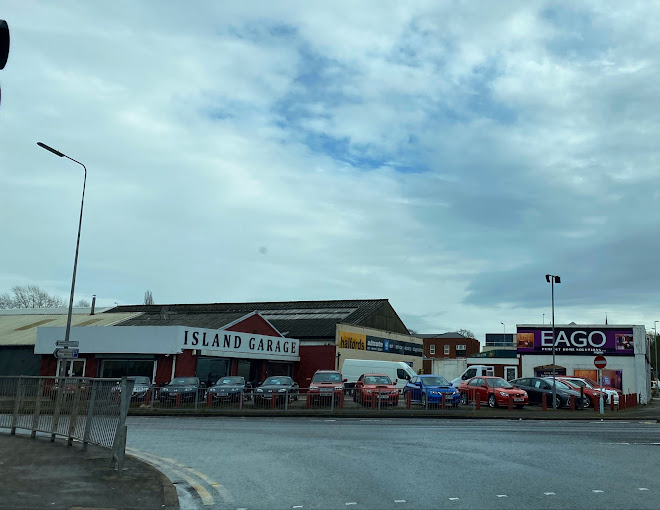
column 68, row 388
column 398, row 371
column 380, row 384
column 326, row 384
column 141, row 385
column 188, row 387
column 429, row 389
column 474, row 371
column 591, row 392
column 278, row 387
column 537, row 386
column 230, row 389
column 495, row 391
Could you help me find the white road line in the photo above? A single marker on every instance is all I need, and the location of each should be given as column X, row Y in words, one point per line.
column 549, row 494
column 352, row 503
column 596, row 490
column 453, row 499
column 502, row 496
column 642, row 489
column 399, row 500
column 298, row 506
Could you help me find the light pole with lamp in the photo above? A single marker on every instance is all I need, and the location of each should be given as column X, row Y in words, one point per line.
column 75, row 261
column 552, row 279
column 655, row 345
column 504, row 337
column 544, row 319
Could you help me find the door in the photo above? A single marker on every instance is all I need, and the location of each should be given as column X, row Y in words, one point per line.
column 510, row 373
column 72, row 367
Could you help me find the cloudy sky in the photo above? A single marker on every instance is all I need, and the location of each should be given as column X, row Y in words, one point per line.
column 443, row 155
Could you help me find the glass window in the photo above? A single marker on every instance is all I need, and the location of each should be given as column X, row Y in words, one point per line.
column 326, row 377
column 402, row 374
column 446, row 350
column 432, row 349
column 210, row 370
column 470, row 373
column 127, row 367
column 460, row 347
column 377, row 379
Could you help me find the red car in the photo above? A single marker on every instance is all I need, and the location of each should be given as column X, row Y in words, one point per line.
column 326, row 384
column 380, row 385
column 493, row 390
column 591, row 389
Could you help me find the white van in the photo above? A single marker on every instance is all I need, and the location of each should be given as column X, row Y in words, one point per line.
column 473, row 371
column 352, row 369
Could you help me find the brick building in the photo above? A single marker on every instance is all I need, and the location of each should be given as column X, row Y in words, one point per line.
column 450, row 345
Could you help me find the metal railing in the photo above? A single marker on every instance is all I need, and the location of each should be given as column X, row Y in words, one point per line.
column 82, row 409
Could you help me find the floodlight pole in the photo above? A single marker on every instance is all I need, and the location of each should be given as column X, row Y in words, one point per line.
column 551, row 278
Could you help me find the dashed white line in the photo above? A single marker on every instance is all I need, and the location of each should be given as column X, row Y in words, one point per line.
column 351, row 503
column 549, row 494
column 453, row 499
column 298, row 506
column 642, row 489
column 502, row 496
column 399, row 500
column 596, row 490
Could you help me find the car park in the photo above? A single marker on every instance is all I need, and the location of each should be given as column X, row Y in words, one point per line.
column 398, row 371
column 325, row 386
column 611, row 392
column 591, row 393
column 183, row 389
column 495, row 391
column 229, row 389
column 141, row 385
column 536, row 387
column 378, row 386
column 278, row 387
column 430, row 389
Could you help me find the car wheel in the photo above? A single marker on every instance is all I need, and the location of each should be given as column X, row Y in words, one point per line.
column 492, row 401
column 586, row 401
column 424, row 399
column 464, row 399
column 558, row 401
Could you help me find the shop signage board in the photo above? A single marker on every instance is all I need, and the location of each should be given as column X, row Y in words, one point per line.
column 362, row 342
column 576, row 340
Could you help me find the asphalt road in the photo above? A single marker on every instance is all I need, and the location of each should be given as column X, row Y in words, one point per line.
column 284, row 463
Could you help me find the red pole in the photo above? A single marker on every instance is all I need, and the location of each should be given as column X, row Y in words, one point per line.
column 510, row 402
column 307, row 402
column 572, row 402
column 477, row 400
column 442, row 404
column 611, row 403
column 147, row 397
column 544, row 402
column 273, row 401
column 373, row 400
column 407, row 400
column 341, row 400
column 178, row 400
column 209, row 400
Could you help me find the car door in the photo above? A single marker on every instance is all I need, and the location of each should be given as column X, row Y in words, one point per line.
column 359, row 387
column 476, row 385
column 526, row 384
column 414, row 389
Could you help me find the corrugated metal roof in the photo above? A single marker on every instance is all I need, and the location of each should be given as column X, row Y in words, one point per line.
column 21, row 329
column 62, row 310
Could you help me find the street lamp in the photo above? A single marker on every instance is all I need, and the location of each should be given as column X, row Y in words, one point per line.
column 543, row 319
column 552, row 279
column 655, row 345
column 75, row 261
column 504, row 337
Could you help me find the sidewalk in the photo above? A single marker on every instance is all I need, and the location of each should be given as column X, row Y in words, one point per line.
column 37, row 474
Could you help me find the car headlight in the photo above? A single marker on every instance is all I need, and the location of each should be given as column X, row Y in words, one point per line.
column 282, row 390
column 259, row 390
column 504, row 394
column 313, row 387
column 394, row 392
column 369, row 391
column 164, row 390
column 338, row 388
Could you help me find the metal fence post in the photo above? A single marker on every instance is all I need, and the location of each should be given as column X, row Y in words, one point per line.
column 17, row 405
column 37, row 409
column 286, row 400
column 332, row 403
column 90, row 415
column 73, row 417
column 196, row 397
column 240, row 401
column 119, row 443
column 60, row 381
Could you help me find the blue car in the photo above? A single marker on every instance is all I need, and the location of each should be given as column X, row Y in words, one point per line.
column 430, row 388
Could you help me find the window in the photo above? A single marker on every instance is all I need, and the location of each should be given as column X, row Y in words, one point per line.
column 470, row 373
column 402, row 374
column 460, row 347
column 432, row 349
column 446, row 350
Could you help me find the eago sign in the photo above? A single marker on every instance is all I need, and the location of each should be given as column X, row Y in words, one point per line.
column 575, row 340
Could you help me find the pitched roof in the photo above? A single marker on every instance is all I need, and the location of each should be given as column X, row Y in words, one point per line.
column 450, row 334
column 294, row 319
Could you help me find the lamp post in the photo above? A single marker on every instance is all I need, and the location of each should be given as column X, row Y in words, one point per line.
column 75, row 261
column 655, row 345
column 543, row 319
column 503, row 337
column 552, row 279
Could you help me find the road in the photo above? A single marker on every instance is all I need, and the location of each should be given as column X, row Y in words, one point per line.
column 402, row 464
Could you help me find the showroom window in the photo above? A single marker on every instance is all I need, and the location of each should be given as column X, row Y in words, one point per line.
column 209, row 370
column 127, row 367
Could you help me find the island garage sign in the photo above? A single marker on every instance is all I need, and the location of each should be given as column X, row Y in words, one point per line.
column 576, row 340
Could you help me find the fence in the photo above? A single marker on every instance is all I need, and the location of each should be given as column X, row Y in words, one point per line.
column 87, row 410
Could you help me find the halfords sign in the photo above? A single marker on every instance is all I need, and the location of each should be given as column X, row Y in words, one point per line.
column 362, row 342
column 576, row 341
column 234, row 344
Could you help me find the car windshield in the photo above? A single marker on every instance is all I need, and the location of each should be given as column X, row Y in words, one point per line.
column 498, row 383
column 592, row 383
column 326, row 377
column 184, row 381
column 231, row 380
column 577, row 382
column 560, row 385
column 278, row 381
column 141, row 380
column 434, row 381
column 377, row 379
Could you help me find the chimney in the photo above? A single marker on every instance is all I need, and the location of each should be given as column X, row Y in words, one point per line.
column 93, row 304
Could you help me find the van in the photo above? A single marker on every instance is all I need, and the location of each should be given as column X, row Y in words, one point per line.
column 397, row 371
column 473, row 371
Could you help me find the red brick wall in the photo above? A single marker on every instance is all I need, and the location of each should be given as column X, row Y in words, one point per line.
column 472, row 346
column 255, row 324
column 313, row 358
column 163, row 370
column 186, row 364
column 48, row 365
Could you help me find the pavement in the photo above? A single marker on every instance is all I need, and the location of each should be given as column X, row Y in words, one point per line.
column 36, row 474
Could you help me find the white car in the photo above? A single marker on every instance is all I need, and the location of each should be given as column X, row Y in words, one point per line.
column 588, row 383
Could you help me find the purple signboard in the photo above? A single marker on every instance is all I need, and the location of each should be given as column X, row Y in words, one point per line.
column 576, row 341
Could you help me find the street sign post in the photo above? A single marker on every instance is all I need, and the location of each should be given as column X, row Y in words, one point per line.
column 70, row 343
column 66, row 353
column 600, row 362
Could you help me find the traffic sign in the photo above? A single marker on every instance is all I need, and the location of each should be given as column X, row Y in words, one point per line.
column 600, row 362
column 66, row 353
column 70, row 343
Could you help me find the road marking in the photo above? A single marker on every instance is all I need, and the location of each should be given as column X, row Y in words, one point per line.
column 399, row 500
column 642, row 489
column 596, row 490
column 453, row 499
column 502, row 496
column 298, row 506
column 352, row 503
column 549, row 493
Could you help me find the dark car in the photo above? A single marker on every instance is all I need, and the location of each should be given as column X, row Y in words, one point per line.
column 141, row 385
column 277, row 386
column 536, row 387
column 430, row 389
column 230, row 389
column 188, row 387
